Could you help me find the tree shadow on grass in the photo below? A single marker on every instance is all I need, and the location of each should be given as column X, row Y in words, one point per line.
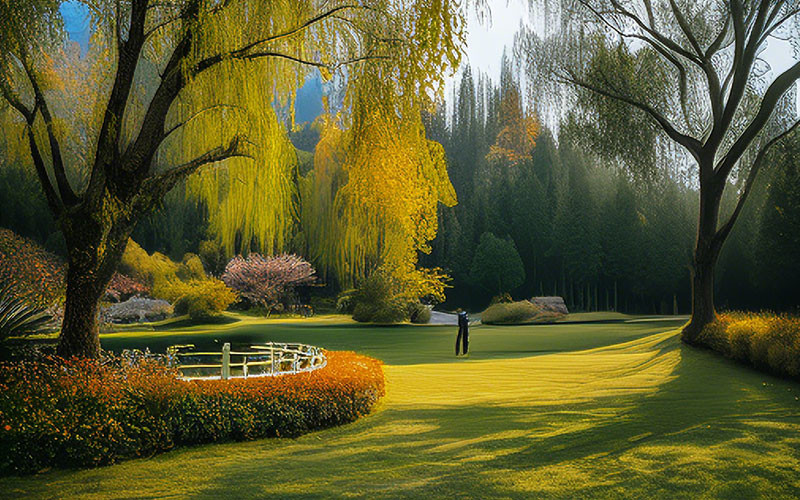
column 714, row 429
column 647, row 419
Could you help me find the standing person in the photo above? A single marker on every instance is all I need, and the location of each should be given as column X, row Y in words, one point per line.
column 463, row 332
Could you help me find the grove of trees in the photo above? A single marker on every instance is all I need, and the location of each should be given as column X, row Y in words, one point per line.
column 171, row 87
column 687, row 72
column 620, row 148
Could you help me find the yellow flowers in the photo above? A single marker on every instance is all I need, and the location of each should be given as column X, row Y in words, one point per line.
column 768, row 341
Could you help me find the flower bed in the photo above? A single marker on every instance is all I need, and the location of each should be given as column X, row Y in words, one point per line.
column 35, row 274
column 767, row 341
column 82, row 413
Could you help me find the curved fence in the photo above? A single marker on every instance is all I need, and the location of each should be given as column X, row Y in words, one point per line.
column 262, row 360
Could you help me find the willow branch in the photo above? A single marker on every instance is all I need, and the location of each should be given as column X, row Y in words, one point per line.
column 301, row 27
column 690, row 143
column 157, row 185
column 177, row 126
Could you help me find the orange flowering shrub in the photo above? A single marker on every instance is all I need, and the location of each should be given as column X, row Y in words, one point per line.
column 33, row 272
column 768, row 341
column 83, row 413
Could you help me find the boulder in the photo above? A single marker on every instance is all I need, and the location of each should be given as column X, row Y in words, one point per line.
column 551, row 304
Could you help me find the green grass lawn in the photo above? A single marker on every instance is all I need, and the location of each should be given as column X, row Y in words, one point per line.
column 577, row 410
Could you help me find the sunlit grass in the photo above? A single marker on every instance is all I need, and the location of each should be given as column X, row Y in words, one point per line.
column 536, row 411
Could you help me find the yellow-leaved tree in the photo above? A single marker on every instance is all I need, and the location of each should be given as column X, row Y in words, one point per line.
column 178, row 86
column 371, row 200
column 520, row 128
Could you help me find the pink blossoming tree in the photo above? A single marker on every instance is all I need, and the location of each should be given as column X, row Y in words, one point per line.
column 267, row 280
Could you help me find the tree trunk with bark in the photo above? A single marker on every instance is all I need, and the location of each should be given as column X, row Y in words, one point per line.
column 96, row 245
column 704, row 261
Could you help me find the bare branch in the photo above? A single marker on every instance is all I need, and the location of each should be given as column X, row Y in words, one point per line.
column 53, row 201
column 775, row 91
column 717, row 43
column 666, row 41
column 751, row 177
column 16, row 102
column 687, row 31
column 107, row 152
column 157, row 185
column 744, row 58
column 68, row 196
column 768, row 32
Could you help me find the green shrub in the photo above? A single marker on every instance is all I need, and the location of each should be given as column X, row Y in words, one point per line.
column 345, row 303
column 150, row 269
column 212, row 254
column 767, row 341
column 377, row 301
column 419, row 313
column 197, row 298
column 83, row 413
column 191, row 268
column 516, row 313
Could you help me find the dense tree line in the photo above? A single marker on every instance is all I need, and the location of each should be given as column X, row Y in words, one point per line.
column 583, row 228
column 590, row 231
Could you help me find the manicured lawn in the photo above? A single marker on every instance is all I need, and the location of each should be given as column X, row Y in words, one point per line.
column 609, row 410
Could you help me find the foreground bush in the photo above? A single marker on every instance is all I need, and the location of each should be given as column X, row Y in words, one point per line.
column 378, row 301
column 419, row 313
column 516, row 313
column 767, row 341
column 84, row 413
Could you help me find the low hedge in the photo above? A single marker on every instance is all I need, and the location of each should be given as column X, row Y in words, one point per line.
column 516, row 313
column 767, row 341
column 82, row 413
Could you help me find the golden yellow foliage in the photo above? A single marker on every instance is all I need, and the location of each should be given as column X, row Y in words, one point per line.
column 519, row 131
column 371, row 200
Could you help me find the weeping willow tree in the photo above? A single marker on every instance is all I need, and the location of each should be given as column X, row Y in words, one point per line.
column 176, row 87
column 371, row 200
column 684, row 72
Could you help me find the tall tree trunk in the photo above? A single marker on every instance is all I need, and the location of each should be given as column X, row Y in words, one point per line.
column 705, row 259
column 703, row 310
column 95, row 250
column 79, row 333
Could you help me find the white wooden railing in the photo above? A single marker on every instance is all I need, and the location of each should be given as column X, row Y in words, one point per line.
column 264, row 360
